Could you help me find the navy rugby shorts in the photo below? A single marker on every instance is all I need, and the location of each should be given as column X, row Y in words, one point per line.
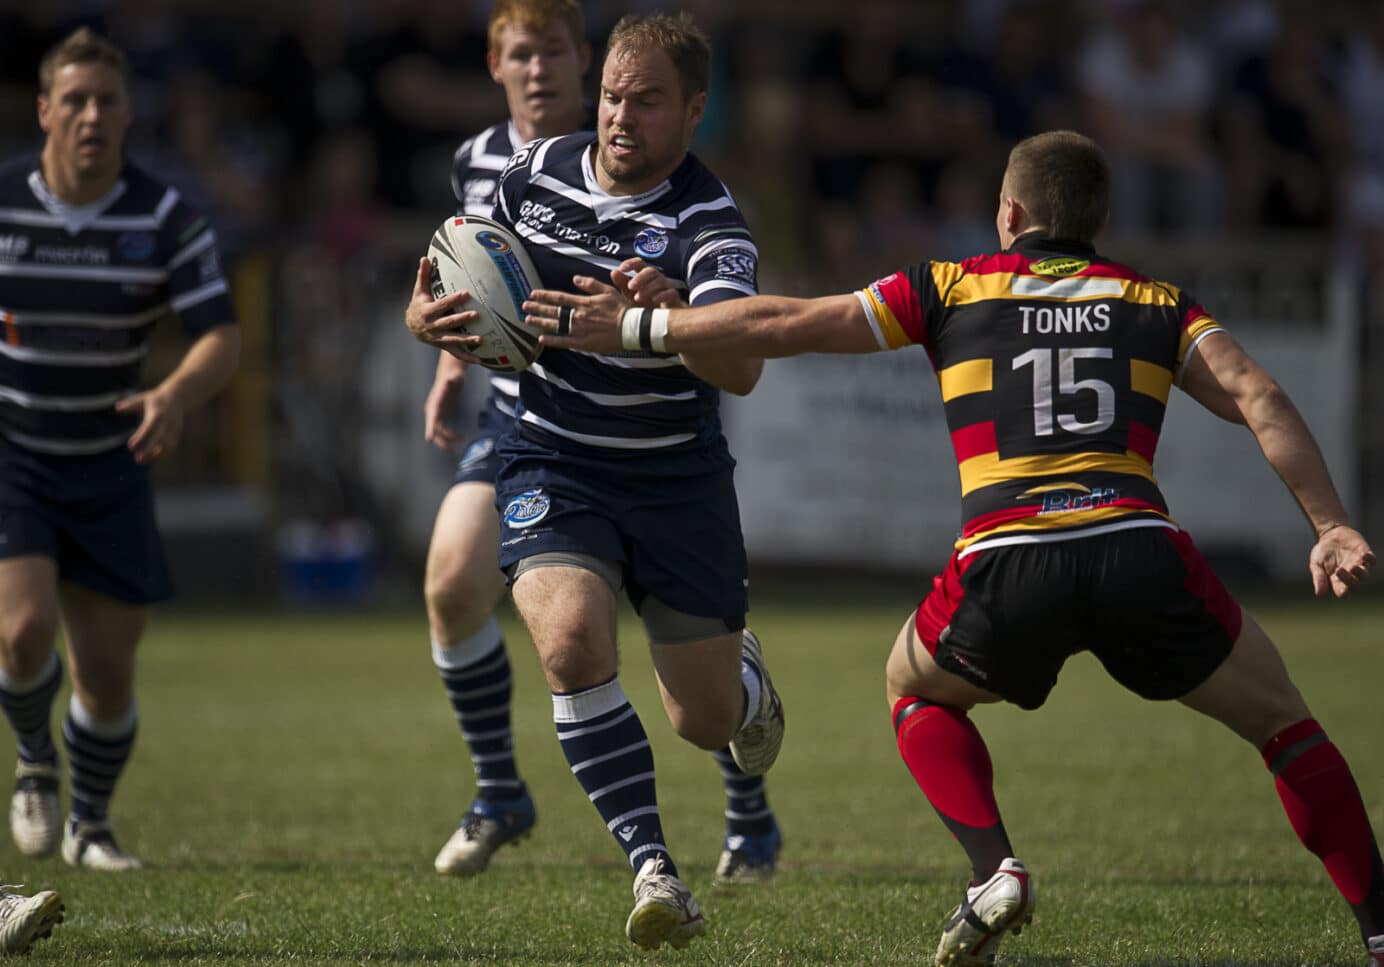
column 91, row 515
column 670, row 519
column 479, row 463
column 1143, row 601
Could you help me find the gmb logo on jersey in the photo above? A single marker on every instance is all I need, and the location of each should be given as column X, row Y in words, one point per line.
column 737, row 265
column 527, row 509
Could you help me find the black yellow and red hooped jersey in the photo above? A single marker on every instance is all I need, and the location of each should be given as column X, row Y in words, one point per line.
column 1055, row 366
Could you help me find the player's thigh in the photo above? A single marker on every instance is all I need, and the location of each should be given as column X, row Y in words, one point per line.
column 28, row 613
column 1250, row 692
column 910, row 671
column 570, row 614
column 463, row 570
column 103, row 634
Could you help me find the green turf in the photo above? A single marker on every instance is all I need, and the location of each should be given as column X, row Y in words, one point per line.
column 295, row 774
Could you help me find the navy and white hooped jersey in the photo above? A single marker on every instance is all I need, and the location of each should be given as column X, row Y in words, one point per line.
column 81, row 289
column 688, row 227
column 476, row 168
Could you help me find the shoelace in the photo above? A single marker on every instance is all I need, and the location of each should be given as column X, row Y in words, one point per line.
column 474, row 825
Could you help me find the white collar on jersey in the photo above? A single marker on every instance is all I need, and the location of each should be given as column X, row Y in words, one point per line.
column 606, row 206
column 75, row 218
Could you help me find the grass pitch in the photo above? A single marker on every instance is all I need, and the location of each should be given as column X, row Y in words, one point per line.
column 295, row 775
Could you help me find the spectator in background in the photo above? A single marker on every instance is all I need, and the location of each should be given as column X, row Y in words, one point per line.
column 1284, row 134
column 1148, row 93
column 1361, row 81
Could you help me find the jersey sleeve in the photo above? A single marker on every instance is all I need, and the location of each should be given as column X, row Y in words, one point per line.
column 722, row 263
column 1196, row 323
column 514, row 180
column 197, row 288
column 902, row 307
column 461, row 170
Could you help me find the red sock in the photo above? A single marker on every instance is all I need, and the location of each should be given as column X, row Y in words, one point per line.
column 1323, row 804
column 946, row 755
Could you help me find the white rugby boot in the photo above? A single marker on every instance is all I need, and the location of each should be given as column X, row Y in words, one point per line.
column 1002, row 903
column 756, row 745
column 484, row 829
column 93, row 847
column 664, row 909
column 24, row 919
column 35, row 819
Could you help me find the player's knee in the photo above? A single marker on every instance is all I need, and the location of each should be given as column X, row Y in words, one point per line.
column 458, row 598
column 26, row 638
column 571, row 661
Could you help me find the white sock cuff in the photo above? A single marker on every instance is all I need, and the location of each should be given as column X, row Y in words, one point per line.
column 112, row 729
column 581, row 706
column 469, row 650
column 24, row 686
column 753, row 687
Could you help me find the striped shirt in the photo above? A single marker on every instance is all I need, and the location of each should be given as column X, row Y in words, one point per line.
column 1055, row 366
column 81, row 289
column 688, row 227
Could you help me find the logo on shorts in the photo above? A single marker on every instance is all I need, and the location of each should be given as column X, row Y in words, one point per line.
column 492, row 241
column 527, row 509
column 651, row 242
column 477, row 453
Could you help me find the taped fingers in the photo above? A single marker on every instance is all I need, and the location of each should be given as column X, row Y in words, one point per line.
column 564, row 320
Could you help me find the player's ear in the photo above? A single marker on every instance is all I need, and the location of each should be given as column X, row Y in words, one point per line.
column 492, row 61
column 696, row 108
column 43, row 107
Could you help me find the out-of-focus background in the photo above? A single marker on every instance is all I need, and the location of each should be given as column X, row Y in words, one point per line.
column 1247, row 138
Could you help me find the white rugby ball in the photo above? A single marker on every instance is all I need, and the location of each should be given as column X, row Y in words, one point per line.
column 488, row 260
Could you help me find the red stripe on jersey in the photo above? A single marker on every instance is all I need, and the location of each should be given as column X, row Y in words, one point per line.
column 1112, row 270
column 897, row 293
column 1001, row 262
column 1193, row 314
column 1142, row 440
column 974, row 441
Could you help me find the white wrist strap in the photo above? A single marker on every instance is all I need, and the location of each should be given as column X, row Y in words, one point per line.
column 645, row 329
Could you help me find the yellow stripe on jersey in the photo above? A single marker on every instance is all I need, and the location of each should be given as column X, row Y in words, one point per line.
column 1190, row 334
column 972, row 376
column 988, row 469
column 884, row 319
column 1047, row 522
column 1150, row 379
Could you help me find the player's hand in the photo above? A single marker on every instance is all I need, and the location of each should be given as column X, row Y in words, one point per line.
column 437, row 321
column 645, row 285
column 160, row 423
column 442, row 403
column 593, row 323
column 1339, row 561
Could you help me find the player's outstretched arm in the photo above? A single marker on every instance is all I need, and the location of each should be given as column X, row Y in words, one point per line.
column 1341, row 557
column 602, row 320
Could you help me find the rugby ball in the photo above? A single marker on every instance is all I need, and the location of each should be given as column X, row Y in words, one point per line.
column 487, row 260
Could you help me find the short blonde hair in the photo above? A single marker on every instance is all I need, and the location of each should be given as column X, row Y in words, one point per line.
column 534, row 15
column 82, row 46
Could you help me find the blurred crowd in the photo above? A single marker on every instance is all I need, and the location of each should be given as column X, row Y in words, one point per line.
column 855, row 135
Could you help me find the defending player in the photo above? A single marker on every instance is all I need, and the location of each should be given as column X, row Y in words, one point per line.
column 617, row 475
column 93, row 253
column 538, row 53
column 1055, row 366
